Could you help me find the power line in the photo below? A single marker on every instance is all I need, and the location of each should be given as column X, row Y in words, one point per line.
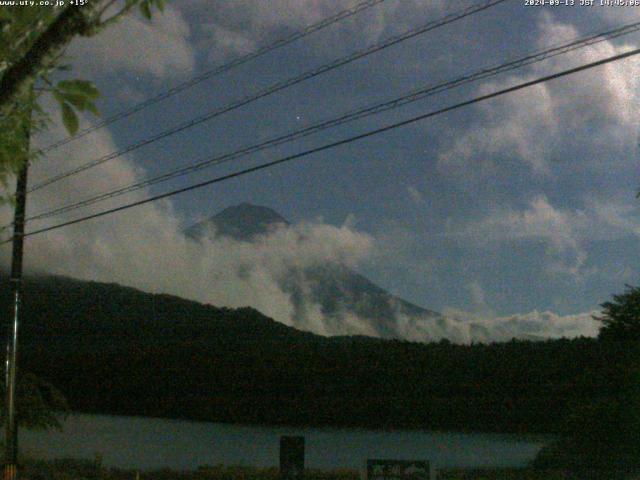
column 358, row 114
column 349, row 117
column 338, row 143
column 273, row 89
column 236, row 62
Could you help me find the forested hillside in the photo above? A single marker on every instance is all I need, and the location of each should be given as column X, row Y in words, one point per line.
column 117, row 350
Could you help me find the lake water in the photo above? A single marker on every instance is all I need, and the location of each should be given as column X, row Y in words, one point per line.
column 146, row 443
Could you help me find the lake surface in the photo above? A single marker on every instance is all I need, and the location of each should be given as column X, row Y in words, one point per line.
column 147, row 443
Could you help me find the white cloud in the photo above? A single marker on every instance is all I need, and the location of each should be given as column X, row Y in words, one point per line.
column 228, row 42
column 415, row 195
column 576, row 120
column 160, row 48
column 566, row 232
column 613, row 220
column 529, row 326
column 145, row 248
column 233, row 28
column 513, row 130
column 478, row 299
column 617, row 14
column 561, row 231
column 584, row 124
column 465, row 327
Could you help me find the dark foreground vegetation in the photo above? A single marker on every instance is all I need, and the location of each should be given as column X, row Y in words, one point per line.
column 116, row 350
column 68, row 469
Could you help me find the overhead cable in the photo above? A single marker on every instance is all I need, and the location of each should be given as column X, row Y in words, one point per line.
column 328, row 146
column 272, row 89
column 236, row 62
column 360, row 113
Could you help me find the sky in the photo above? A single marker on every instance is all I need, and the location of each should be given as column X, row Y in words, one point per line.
column 518, row 210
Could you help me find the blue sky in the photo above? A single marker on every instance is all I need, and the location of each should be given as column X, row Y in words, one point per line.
column 524, row 203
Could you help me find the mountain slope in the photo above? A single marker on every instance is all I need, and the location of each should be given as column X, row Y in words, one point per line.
column 243, row 222
column 332, row 290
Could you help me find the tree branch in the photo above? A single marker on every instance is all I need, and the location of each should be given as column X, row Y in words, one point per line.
column 71, row 22
column 105, row 8
column 116, row 16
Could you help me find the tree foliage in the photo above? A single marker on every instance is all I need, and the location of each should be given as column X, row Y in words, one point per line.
column 601, row 437
column 116, row 350
column 32, row 45
column 621, row 317
column 33, row 40
column 39, row 404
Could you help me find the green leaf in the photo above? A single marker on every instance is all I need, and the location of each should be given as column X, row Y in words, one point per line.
column 58, row 96
column 145, row 8
column 81, row 87
column 91, row 107
column 77, row 100
column 77, row 93
column 69, row 118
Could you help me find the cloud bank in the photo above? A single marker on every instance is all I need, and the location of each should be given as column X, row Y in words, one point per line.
column 240, row 26
column 575, row 138
column 145, row 248
column 159, row 49
column 556, row 124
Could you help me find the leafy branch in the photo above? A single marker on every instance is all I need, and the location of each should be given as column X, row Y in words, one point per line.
column 71, row 22
column 32, row 46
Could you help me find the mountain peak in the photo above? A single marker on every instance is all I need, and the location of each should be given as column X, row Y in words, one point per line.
column 240, row 222
column 331, row 286
column 255, row 212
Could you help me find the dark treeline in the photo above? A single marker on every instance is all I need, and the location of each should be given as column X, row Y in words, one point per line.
column 116, row 350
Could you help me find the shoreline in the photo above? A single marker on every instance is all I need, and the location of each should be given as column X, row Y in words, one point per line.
column 536, row 437
column 61, row 469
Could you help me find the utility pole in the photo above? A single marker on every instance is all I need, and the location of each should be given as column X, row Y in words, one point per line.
column 10, row 420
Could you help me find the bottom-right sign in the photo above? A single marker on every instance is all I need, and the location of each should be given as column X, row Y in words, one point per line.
column 398, row 470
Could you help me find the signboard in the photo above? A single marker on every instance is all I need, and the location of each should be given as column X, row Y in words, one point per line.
column 292, row 458
column 398, row 470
